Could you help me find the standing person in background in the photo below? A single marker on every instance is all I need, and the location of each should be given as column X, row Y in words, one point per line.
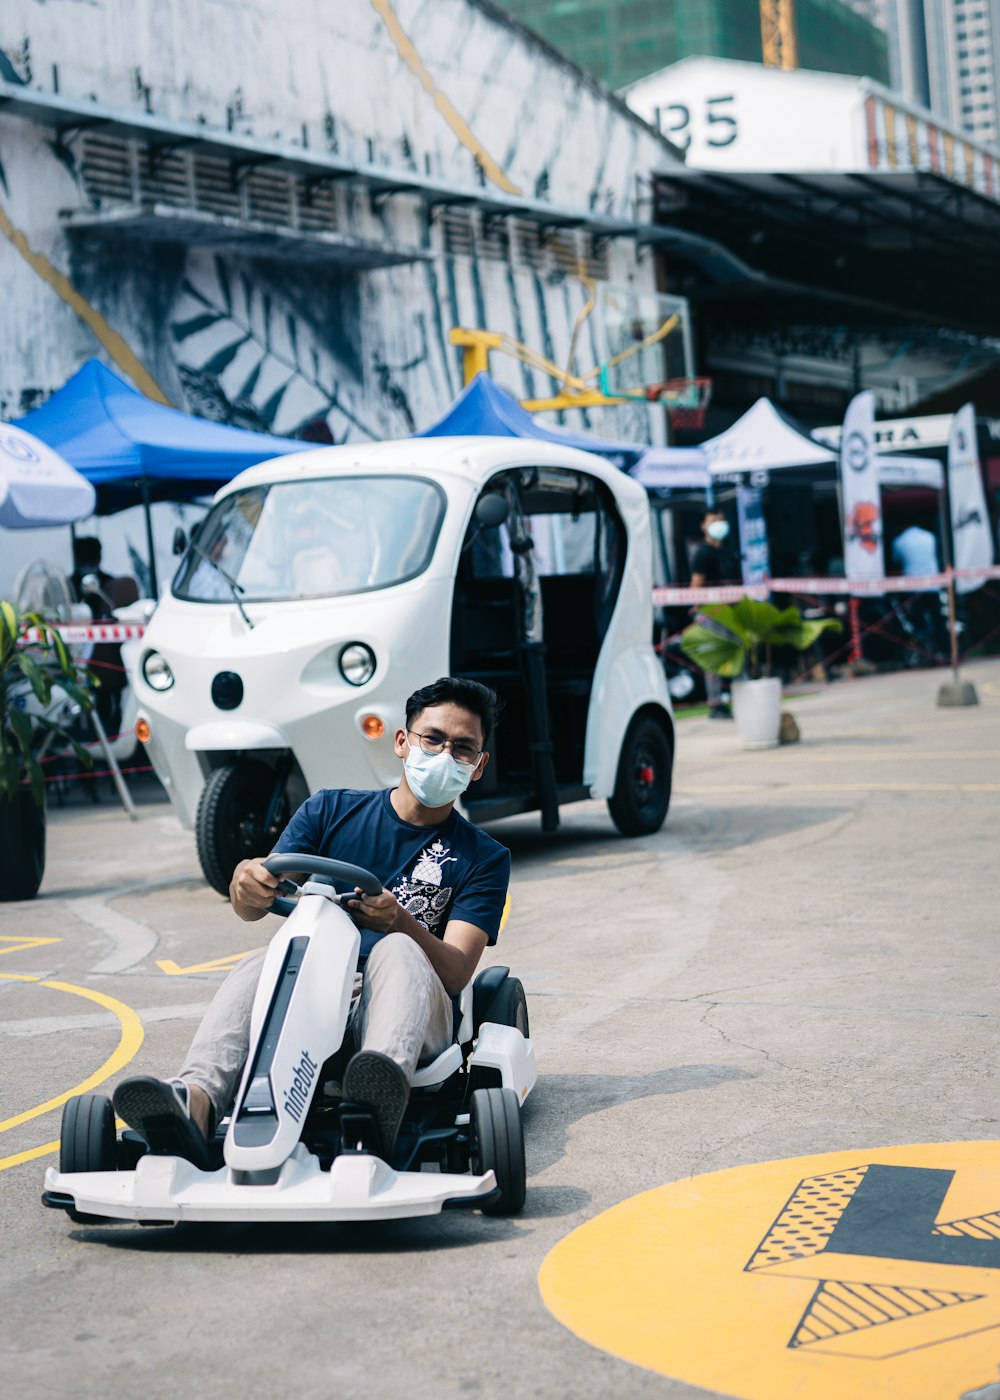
column 714, row 563
column 915, row 554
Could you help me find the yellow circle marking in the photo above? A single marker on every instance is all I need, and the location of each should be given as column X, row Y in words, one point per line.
column 866, row 1273
column 131, row 1038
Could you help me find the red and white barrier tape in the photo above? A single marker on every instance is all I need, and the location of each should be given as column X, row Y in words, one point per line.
column 732, row 593
column 92, row 632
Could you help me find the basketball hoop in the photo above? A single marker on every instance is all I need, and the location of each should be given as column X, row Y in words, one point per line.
column 684, row 399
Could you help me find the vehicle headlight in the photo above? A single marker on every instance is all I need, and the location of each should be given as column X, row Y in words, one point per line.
column 357, row 663
column 155, row 671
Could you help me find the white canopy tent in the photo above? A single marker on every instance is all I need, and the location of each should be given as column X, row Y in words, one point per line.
column 763, row 440
column 37, row 486
column 673, row 469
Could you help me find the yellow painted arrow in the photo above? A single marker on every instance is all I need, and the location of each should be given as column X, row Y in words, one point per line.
column 168, row 966
column 20, row 942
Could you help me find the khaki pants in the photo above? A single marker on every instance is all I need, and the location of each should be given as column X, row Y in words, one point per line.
column 402, row 1010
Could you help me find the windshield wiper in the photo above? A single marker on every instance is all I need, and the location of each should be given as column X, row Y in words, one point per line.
column 234, row 587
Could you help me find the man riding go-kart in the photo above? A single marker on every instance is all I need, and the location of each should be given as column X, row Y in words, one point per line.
column 425, row 919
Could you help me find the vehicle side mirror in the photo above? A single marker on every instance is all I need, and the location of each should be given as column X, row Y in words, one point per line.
column 491, row 511
column 180, row 541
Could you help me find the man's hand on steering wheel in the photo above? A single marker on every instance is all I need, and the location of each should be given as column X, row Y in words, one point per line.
column 378, row 912
column 253, row 889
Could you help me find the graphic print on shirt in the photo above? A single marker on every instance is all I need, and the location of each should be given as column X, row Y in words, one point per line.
column 422, row 892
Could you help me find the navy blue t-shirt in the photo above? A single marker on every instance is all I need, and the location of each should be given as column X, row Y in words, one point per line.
column 437, row 873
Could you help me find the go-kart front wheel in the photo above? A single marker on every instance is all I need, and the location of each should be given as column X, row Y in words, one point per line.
column 498, row 1146
column 87, row 1142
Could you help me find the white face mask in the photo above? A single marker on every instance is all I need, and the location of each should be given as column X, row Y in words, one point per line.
column 717, row 530
column 436, row 778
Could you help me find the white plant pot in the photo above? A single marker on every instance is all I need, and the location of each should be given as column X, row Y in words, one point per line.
column 757, row 708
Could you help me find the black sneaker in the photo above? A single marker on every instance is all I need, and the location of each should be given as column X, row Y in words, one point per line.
column 160, row 1110
column 719, row 712
column 376, row 1080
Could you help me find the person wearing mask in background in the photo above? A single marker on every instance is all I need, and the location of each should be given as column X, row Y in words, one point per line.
column 714, row 563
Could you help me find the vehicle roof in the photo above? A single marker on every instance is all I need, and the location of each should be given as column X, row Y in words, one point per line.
column 472, row 459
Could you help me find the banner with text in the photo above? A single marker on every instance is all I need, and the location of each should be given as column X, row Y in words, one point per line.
column 859, row 488
column 755, row 554
column 972, row 546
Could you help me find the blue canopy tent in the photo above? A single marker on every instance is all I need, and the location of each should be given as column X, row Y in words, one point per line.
column 483, row 409
column 136, row 451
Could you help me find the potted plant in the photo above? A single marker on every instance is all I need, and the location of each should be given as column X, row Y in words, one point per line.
column 39, row 679
column 736, row 641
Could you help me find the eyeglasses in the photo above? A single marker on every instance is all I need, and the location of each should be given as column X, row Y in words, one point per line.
column 461, row 750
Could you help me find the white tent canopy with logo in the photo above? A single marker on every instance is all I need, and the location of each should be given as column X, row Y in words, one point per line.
column 37, row 487
column 765, row 440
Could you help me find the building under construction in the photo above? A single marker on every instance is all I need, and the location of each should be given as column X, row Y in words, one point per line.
column 620, row 41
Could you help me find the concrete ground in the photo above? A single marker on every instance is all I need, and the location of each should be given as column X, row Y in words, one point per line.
column 803, row 960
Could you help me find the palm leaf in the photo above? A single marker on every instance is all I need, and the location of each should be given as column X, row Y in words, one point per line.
column 713, row 652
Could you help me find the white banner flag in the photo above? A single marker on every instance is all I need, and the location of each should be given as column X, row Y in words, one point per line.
column 860, row 497
column 970, row 521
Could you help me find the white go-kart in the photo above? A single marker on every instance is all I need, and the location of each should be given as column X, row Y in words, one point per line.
column 291, row 1149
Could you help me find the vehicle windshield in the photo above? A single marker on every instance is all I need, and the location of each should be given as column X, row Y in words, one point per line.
column 314, row 538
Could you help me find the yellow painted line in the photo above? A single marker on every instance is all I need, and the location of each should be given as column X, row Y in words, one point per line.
column 408, row 53
column 119, row 350
column 131, row 1038
column 32, row 1154
column 506, row 912
column 841, row 787
column 171, row 968
column 22, row 941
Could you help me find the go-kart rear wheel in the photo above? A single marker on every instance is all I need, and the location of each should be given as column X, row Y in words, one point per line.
column 509, row 1006
column 232, row 821
column 498, row 1146
column 87, row 1142
column 641, row 797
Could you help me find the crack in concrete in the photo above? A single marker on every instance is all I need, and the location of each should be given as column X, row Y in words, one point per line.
column 742, row 1044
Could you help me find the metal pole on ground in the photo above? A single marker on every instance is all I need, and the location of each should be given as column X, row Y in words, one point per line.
column 955, row 692
column 854, row 613
column 112, row 762
column 154, row 583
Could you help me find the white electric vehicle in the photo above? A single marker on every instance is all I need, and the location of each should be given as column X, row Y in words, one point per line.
column 292, row 1149
column 324, row 587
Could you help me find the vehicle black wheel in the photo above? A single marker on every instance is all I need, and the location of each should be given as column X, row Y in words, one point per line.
column 645, row 771
column 509, row 1007
column 498, row 1146
column 232, row 812
column 87, row 1142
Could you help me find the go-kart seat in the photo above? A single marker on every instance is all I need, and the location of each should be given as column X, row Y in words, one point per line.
column 472, row 1005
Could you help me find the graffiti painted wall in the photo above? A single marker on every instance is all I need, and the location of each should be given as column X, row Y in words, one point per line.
column 325, row 346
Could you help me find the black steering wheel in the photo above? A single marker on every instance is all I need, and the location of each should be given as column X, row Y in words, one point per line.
column 324, row 867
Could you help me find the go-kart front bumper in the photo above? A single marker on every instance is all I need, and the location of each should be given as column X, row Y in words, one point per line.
column 358, row 1186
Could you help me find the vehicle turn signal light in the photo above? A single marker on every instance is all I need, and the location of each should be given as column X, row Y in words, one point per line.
column 142, row 731
column 372, row 727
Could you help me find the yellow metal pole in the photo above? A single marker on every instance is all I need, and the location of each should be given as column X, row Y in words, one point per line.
column 476, row 347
